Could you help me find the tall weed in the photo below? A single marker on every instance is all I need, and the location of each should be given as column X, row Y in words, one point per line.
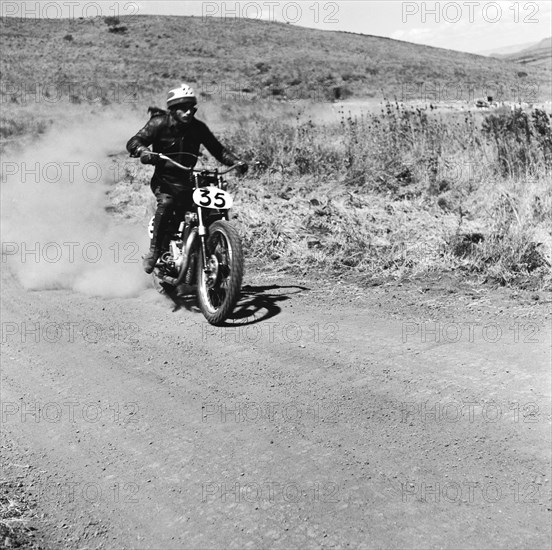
column 361, row 193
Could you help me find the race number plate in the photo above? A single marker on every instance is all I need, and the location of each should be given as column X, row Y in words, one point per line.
column 212, row 197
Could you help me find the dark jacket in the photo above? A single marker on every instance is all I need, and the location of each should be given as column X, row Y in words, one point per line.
column 167, row 136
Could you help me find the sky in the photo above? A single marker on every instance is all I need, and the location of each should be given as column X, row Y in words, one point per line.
column 463, row 25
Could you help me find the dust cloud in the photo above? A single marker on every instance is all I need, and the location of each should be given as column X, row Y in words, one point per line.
column 56, row 232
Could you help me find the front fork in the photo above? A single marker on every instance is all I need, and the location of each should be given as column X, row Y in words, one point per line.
column 202, row 232
column 210, row 265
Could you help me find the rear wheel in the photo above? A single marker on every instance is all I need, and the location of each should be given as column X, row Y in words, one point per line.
column 219, row 285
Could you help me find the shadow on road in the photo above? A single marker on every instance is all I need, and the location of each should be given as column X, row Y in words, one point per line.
column 257, row 303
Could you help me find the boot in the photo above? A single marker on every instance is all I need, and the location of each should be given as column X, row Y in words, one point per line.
column 162, row 217
column 150, row 259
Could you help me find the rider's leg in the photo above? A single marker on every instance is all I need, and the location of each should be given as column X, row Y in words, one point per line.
column 183, row 203
column 165, row 206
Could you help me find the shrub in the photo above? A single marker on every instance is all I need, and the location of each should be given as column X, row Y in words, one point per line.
column 118, row 30
column 341, row 92
column 111, row 21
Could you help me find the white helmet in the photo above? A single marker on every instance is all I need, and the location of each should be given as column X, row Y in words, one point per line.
column 182, row 94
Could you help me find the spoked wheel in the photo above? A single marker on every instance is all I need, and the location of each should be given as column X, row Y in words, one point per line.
column 219, row 284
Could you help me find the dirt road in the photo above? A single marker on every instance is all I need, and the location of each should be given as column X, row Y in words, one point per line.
column 327, row 417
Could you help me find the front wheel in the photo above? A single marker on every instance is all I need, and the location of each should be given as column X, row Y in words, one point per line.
column 219, row 276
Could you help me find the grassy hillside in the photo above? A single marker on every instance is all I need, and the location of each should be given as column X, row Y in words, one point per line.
column 251, row 57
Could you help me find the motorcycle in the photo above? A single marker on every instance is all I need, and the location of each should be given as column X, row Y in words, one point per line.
column 203, row 252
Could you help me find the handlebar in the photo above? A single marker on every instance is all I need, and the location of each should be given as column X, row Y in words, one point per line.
column 188, row 169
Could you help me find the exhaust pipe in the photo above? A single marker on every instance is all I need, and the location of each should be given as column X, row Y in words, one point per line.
column 175, row 281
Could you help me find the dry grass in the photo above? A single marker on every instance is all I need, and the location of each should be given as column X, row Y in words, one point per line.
column 393, row 193
column 400, row 193
column 14, row 523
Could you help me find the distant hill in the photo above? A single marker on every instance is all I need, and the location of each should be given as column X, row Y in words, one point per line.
column 505, row 50
column 538, row 54
column 145, row 55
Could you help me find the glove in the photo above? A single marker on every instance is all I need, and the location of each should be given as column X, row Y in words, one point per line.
column 147, row 157
column 242, row 167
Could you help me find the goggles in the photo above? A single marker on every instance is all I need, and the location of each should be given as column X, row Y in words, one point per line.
column 185, row 108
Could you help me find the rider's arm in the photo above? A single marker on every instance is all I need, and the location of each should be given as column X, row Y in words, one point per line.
column 143, row 139
column 213, row 145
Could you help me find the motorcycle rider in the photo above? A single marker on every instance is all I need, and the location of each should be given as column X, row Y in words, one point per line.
column 178, row 134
